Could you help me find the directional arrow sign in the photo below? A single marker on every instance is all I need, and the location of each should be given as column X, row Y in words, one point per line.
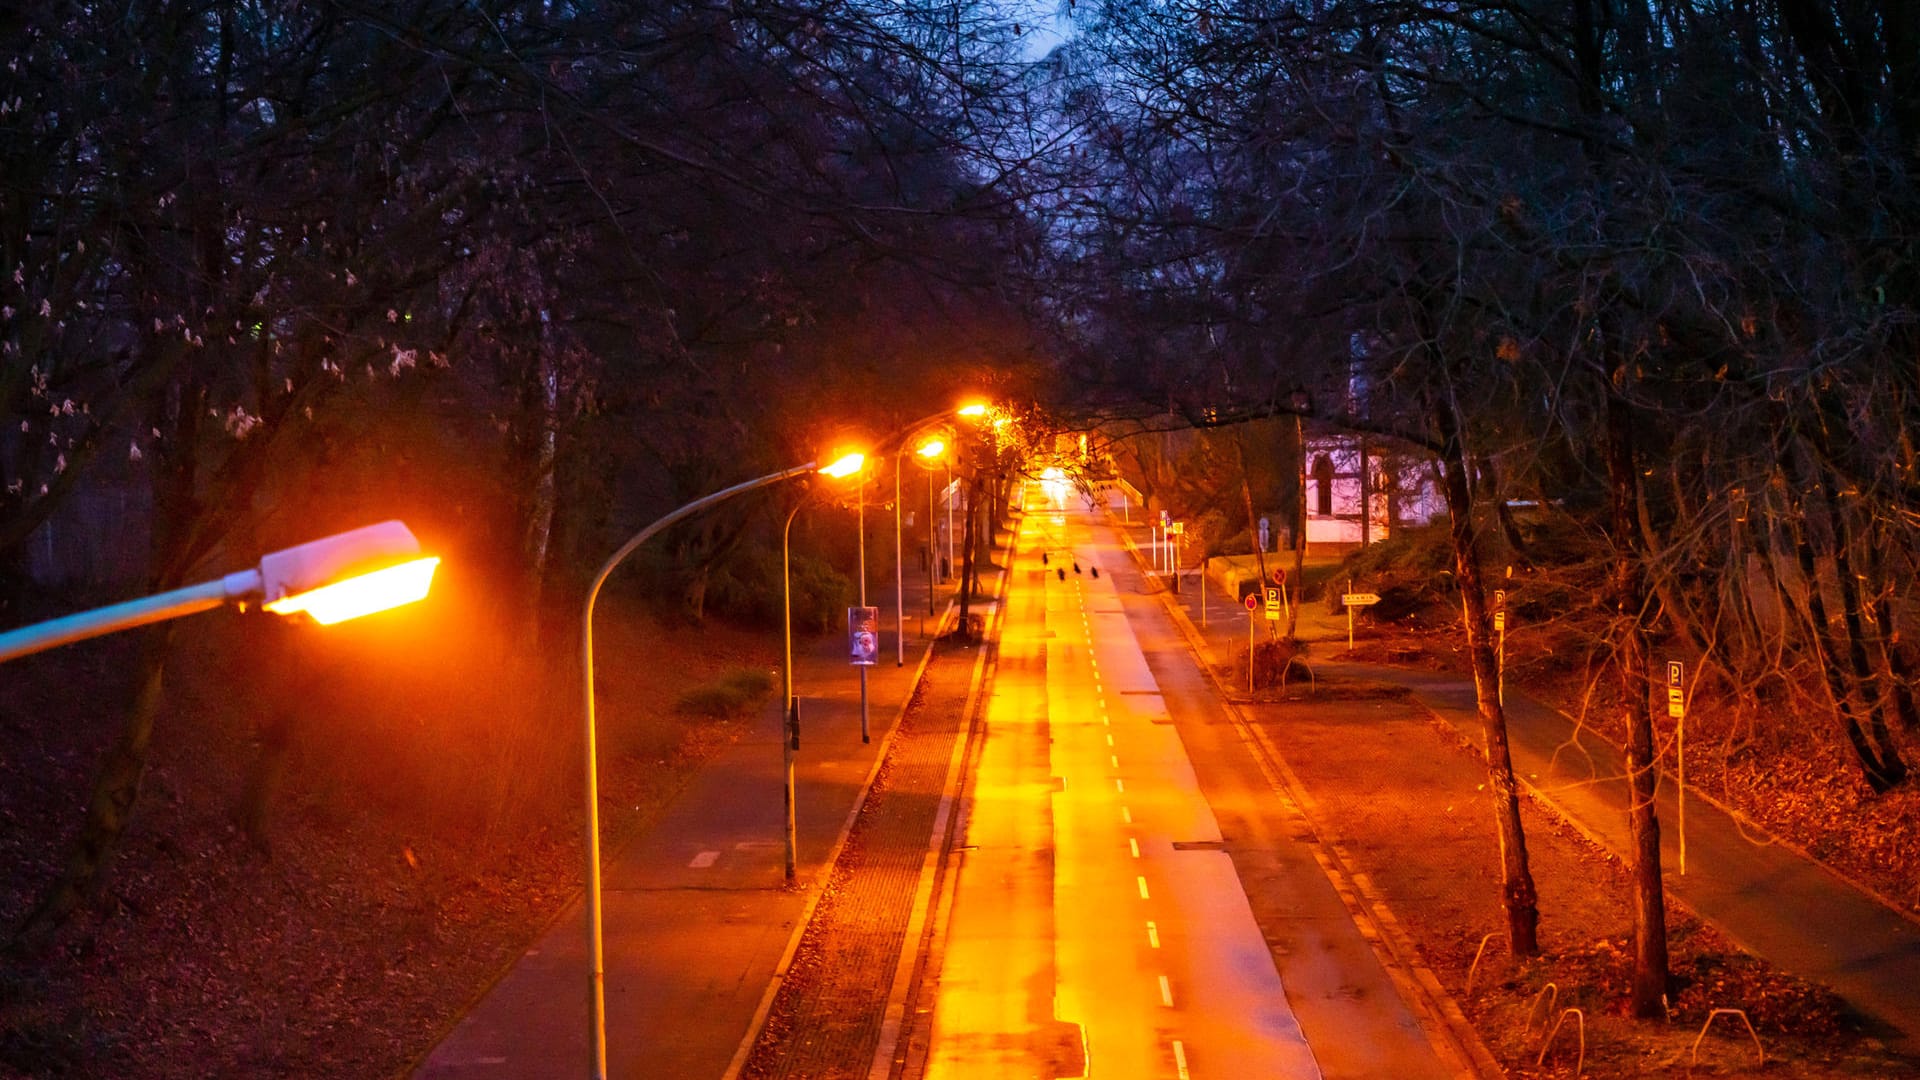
column 1359, row 599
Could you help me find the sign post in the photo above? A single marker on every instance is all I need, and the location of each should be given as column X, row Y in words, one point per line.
column 1253, row 608
column 1279, row 575
column 1351, row 600
column 1176, row 531
column 1500, row 655
column 1677, row 710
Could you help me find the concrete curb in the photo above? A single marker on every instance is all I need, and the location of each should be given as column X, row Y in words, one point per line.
column 1456, row 1040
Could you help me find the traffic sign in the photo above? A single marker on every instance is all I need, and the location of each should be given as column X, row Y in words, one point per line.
column 1499, row 599
column 1499, row 620
column 1163, row 519
column 1273, row 605
column 1359, row 599
column 1253, row 601
column 1176, row 528
column 1676, row 690
column 1279, row 575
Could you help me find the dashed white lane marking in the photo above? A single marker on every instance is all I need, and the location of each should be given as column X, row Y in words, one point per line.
column 1153, row 934
column 1115, row 758
column 1126, row 815
column 1166, row 992
column 490, row 1061
column 1180, row 1058
column 704, row 860
column 1119, row 784
column 1144, row 896
column 1109, row 738
column 1133, row 846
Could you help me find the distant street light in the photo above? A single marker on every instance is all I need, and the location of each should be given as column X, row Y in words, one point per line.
column 932, row 452
column 926, row 451
column 341, row 577
column 596, row 983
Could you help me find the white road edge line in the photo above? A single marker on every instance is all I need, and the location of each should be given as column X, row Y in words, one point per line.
column 1166, row 992
column 1180, row 1058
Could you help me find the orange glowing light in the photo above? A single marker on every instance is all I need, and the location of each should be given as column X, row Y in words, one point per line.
column 932, row 448
column 846, row 466
column 975, row 409
column 362, row 595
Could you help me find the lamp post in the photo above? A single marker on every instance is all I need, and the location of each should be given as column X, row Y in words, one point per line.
column 860, row 511
column 596, row 979
column 932, row 451
column 790, row 709
column 341, row 577
column 926, row 451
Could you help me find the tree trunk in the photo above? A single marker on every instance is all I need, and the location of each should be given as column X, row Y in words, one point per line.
column 116, row 787
column 1518, row 898
column 1891, row 769
column 1873, row 769
column 1650, row 966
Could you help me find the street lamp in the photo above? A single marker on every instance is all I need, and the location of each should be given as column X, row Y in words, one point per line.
column 932, row 452
column 928, row 450
column 341, row 577
column 596, row 980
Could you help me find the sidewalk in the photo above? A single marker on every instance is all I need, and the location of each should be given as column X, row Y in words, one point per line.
column 1774, row 902
column 698, row 918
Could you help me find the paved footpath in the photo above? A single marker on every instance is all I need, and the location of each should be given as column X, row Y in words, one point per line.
column 698, row 918
column 1770, row 899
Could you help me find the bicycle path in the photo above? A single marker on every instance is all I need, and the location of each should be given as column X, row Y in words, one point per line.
column 699, row 920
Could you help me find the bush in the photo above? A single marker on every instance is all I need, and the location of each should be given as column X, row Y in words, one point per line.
column 1272, row 656
column 732, row 694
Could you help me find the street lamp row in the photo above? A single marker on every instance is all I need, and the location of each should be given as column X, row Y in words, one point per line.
column 378, row 567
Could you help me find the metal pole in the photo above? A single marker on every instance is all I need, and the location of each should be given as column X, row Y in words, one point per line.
column 899, row 576
column 864, row 737
column 1349, row 623
column 789, row 718
column 151, row 609
column 949, row 493
column 1500, row 667
column 597, row 976
column 1250, row 617
column 931, row 556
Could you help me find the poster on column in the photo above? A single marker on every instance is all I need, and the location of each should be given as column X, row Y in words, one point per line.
column 863, row 635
